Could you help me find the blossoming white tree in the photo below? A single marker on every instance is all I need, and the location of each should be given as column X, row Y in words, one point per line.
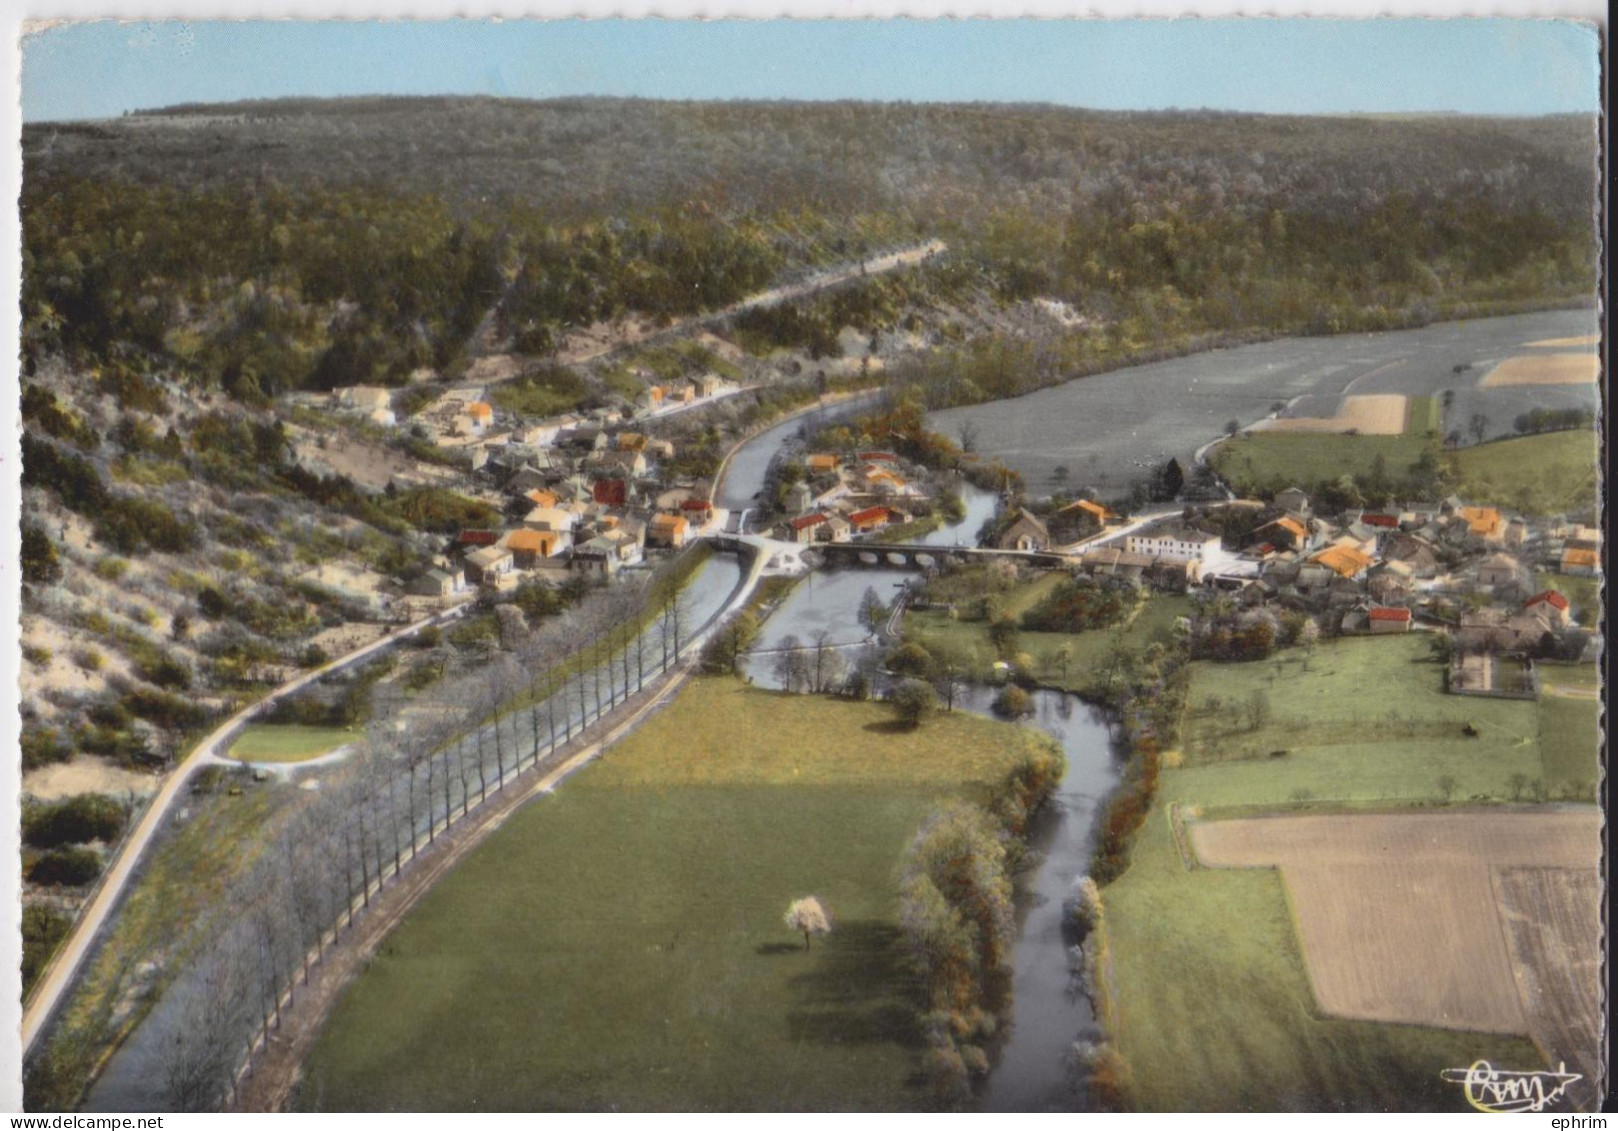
column 810, row 916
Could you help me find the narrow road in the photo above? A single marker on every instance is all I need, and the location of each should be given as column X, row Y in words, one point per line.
column 64, row 967
column 877, row 265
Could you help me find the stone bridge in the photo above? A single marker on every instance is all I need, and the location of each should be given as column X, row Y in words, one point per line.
column 878, row 555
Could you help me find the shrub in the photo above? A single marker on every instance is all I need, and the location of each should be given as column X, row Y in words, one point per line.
column 74, row 820
column 1012, row 702
column 40, row 563
column 37, row 654
column 41, row 746
column 65, row 867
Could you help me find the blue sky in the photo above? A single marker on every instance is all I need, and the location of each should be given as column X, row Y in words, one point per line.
column 1498, row 66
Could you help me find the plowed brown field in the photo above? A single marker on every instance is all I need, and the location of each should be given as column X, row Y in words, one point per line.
column 1399, row 918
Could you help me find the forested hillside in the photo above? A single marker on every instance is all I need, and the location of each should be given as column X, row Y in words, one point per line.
column 306, row 243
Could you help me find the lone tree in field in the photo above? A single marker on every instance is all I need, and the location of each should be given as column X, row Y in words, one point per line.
column 810, row 916
column 913, row 700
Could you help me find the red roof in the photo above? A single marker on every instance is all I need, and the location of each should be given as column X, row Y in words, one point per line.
column 806, row 521
column 478, row 537
column 869, row 515
column 696, row 505
column 609, row 492
column 1550, row 597
column 1390, row 614
column 1388, row 520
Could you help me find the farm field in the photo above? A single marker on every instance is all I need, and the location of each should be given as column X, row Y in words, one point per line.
column 292, row 743
column 1544, row 474
column 1209, row 998
column 637, row 958
column 1095, row 425
column 1383, row 414
column 1396, row 912
column 1545, row 369
column 1555, row 939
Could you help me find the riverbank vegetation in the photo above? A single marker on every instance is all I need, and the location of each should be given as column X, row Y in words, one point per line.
column 656, row 879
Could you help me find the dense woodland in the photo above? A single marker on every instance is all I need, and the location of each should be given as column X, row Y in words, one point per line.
column 276, row 245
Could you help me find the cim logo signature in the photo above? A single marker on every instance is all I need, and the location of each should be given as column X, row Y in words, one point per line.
column 1492, row 1089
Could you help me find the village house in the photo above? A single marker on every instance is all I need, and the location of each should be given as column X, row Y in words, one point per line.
column 1344, row 561
column 529, row 546
column 1285, row 533
column 836, row 528
column 1293, row 501
column 699, row 513
column 802, row 529
column 1414, row 551
column 598, row 556
column 1173, row 542
column 873, row 518
column 1579, row 561
column 798, row 497
column 490, row 566
column 669, row 530
column 1484, row 522
column 371, row 401
column 1025, row 533
column 1551, row 606
column 1384, row 619
column 440, row 583
column 821, row 462
column 1499, row 570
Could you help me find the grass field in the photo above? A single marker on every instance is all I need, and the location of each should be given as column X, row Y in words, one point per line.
column 1265, row 462
column 932, row 627
column 620, row 943
column 1208, row 997
column 1544, row 474
column 265, row 743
